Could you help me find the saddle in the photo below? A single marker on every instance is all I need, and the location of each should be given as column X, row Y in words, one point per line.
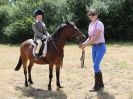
column 43, row 49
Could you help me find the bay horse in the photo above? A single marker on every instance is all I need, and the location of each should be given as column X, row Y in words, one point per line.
column 55, row 52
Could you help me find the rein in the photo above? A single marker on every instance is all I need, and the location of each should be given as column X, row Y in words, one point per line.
column 77, row 38
column 82, row 58
column 56, row 46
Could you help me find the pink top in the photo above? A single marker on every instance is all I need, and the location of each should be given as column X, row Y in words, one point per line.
column 93, row 27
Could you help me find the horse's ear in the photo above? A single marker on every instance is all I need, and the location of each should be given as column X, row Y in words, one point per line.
column 67, row 22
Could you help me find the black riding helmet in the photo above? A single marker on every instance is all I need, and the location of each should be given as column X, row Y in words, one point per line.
column 38, row 12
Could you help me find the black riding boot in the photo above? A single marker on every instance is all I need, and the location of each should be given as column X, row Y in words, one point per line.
column 101, row 80
column 96, row 86
column 98, row 81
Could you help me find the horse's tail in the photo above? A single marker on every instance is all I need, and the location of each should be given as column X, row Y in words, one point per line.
column 19, row 64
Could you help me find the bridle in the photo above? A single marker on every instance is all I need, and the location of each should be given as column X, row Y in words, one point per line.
column 77, row 38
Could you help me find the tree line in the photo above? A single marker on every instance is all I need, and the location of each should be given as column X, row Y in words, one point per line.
column 16, row 17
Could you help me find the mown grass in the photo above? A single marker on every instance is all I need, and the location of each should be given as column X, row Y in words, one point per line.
column 116, row 66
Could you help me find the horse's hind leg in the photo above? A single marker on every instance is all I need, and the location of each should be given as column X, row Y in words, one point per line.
column 29, row 72
column 25, row 73
column 24, row 61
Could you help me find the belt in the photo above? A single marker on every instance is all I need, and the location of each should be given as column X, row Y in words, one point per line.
column 99, row 43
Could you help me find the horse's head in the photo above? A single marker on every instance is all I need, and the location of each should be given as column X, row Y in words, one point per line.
column 73, row 32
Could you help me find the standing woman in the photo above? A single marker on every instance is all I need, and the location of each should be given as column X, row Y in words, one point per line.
column 97, row 40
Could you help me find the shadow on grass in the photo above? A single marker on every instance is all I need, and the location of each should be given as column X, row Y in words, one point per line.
column 101, row 94
column 40, row 93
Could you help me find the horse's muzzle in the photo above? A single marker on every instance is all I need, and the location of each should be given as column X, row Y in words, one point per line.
column 82, row 40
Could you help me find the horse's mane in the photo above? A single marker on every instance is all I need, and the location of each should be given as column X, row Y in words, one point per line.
column 61, row 27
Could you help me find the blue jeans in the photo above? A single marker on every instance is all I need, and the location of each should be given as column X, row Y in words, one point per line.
column 98, row 52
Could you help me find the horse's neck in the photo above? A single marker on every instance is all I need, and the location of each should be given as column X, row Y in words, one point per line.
column 60, row 39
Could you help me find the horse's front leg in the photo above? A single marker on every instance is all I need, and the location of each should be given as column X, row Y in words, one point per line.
column 58, row 76
column 50, row 76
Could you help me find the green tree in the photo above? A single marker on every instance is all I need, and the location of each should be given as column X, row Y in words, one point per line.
column 77, row 8
column 4, row 2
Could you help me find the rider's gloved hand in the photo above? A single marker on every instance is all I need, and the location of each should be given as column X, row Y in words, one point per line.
column 48, row 34
column 44, row 37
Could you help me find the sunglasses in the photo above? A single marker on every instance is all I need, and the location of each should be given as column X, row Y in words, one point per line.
column 92, row 14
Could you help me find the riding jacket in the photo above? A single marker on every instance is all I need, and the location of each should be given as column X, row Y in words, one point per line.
column 40, row 31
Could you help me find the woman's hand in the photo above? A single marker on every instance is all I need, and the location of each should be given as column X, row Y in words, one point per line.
column 82, row 46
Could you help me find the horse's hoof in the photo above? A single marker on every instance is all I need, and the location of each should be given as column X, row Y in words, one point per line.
column 26, row 85
column 60, row 86
column 49, row 89
column 31, row 82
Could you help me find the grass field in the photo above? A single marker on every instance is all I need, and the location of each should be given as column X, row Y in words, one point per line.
column 117, row 67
